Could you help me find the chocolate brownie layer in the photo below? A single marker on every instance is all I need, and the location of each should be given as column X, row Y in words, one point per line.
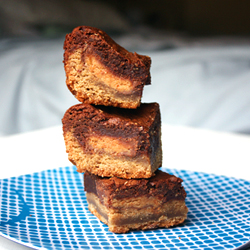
column 110, row 141
column 100, row 72
column 126, row 205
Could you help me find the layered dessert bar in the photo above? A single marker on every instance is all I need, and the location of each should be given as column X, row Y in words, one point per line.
column 99, row 71
column 109, row 141
column 136, row 204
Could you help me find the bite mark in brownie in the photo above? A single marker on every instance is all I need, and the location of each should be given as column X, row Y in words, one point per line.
column 135, row 204
column 110, row 141
column 101, row 72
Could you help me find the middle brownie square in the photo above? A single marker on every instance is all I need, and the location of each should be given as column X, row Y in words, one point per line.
column 109, row 141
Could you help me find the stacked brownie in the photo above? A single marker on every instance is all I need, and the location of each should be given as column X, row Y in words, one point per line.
column 114, row 139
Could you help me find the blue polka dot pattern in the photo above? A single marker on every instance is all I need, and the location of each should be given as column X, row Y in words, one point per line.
column 49, row 210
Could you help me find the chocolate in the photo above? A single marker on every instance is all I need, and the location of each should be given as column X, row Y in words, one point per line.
column 117, row 59
column 162, row 185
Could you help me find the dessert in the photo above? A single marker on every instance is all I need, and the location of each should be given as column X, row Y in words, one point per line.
column 99, row 71
column 109, row 141
column 136, row 204
column 114, row 139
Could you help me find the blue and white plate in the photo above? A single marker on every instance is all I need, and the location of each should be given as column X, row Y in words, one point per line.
column 49, row 210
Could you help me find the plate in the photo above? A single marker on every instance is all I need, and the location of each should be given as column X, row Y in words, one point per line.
column 49, row 210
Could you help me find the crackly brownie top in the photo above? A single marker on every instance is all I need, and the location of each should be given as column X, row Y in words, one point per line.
column 111, row 121
column 162, row 185
column 120, row 61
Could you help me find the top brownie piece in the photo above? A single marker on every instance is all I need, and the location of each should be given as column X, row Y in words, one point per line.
column 101, row 72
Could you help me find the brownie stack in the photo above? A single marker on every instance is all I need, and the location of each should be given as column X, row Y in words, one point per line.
column 114, row 139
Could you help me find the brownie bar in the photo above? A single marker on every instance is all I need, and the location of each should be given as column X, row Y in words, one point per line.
column 109, row 141
column 101, row 72
column 136, row 204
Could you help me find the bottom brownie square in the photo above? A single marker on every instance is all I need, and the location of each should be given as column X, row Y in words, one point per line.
column 136, row 204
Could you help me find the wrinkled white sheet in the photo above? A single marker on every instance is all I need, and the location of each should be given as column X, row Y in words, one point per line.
column 207, row 87
column 203, row 87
